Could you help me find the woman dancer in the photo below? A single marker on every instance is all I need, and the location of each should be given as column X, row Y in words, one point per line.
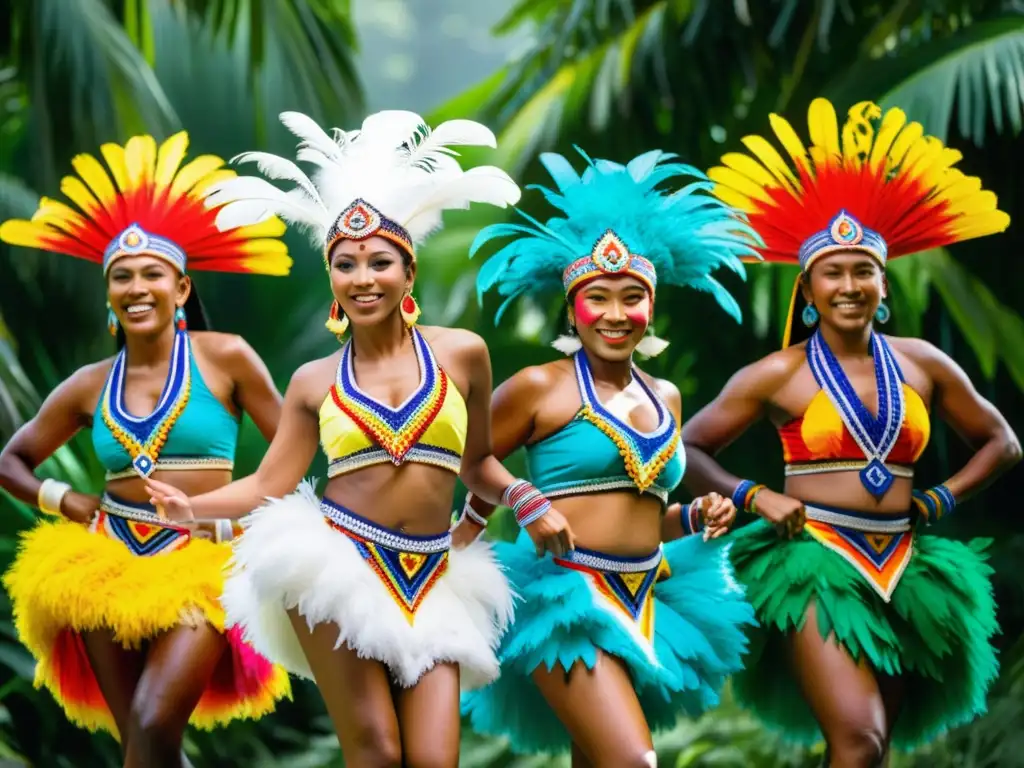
column 872, row 633
column 618, row 636
column 119, row 606
column 361, row 591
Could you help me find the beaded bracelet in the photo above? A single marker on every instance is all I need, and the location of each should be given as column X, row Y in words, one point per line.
column 935, row 503
column 691, row 518
column 528, row 504
column 51, row 494
column 743, row 496
column 223, row 531
column 468, row 511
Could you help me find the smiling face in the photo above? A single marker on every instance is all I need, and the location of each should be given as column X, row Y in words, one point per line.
column 846, row 288
column 144, row 291
column 369, row 278
column 611, row 315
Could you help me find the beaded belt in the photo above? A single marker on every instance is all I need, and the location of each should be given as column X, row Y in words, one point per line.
column 419, row 454
column 408, row 566
column 878, row 544
column 177, row 464
column 601, row 486
column 138, row 527
column 854, row 465
column 625, row 586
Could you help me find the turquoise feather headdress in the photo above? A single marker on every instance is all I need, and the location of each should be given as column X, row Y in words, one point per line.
column 614, row 220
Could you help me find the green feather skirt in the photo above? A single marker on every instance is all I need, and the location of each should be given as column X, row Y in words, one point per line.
column 934, row 633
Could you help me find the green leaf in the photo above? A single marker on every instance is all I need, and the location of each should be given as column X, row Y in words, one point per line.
column 967, row 300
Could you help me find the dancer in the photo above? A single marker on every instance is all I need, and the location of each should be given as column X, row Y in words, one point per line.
column 618, row 636
column 121, row 607
column 361, row 591
column 872, row 633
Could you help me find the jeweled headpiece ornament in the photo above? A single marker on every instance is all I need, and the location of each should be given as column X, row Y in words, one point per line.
column 615, row 221
column 880, row 186
column 148, row 203
column 391, row 178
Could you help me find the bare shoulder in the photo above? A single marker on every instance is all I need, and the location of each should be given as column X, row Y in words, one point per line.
column 458, row 342
column 220, row 346
column 535, row 381
column 89, row 379
column 766, row 376
column 312, row 380
column 920, row 351
column 667, row 391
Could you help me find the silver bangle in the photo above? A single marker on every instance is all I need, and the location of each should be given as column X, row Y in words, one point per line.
column 51, row 494
column 472, row 514
column 224, row 531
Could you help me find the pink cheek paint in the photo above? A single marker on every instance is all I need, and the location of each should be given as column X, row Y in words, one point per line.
column 584, row 314
column 639, row 316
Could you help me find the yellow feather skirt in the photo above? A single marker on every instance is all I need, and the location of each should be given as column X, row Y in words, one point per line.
column 66, row 580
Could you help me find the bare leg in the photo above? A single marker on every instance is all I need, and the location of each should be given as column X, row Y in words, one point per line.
column 178, row 668
column 117, row 670
column 357, row 694
column 844, row 697
column 579, row 760
column 428, row 719
column 893, row 691
column 601, row 711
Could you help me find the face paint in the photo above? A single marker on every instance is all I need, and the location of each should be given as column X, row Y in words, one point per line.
column 584, row 314
column 638, row 316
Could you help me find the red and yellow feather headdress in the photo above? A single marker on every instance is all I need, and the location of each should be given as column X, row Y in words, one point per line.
column 878, row 185
column 149, row 203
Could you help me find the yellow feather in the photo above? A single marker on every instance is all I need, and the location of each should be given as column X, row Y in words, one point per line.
column 114, row 155
column 57, row 214
column 193, row 173
column 95, row 176
column 24, row 233
column 823, row 126
column 771, row 160
column 169, row 158
column 750, row 168
column 962, row 187
column 79, row 194
column 910, row 135
column 199, row 190
column 731, row 197
column 272, row 227
column 974, row 205
column 892, row 124
column 140, row 159
column 273, row 264
column 859, row 133
column 789, row 139
column 732, row 178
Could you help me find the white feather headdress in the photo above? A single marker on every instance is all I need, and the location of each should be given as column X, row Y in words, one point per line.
column 393, row 177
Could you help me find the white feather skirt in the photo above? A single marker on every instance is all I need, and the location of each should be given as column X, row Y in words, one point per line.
column 290, row 556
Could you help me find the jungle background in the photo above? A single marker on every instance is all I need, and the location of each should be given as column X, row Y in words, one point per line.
column 616, row 77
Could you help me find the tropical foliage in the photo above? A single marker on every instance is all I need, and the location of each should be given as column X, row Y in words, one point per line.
column 614, row 76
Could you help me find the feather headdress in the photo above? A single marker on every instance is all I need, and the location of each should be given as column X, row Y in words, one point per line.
column 392, row 178
column 149, row 203
column 615, row 221
column 878, row 185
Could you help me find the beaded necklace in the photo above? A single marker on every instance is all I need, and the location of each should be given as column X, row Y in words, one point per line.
column 876, row 435
column 143, row 437
column 645, row 454
column 396, row 430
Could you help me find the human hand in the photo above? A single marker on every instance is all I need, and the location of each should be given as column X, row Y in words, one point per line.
column 784, row 512
column 170, row 503
column 79, row 507
column 551, row 533
column 718, row 513
column 466, row 532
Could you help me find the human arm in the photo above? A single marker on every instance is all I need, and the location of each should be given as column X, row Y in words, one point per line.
column 254, row 389
column 62, row 414
column 496, row 429
column 283, row 467
column 972, row 417
column 741, row 403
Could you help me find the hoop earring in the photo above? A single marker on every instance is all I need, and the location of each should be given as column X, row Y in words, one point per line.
column 410, row 310
column 179, row 319
column 337, row 321
column 882, row 314
column 112, row 323
column 810, row 315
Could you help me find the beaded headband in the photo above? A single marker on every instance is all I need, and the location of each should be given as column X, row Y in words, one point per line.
column 135, row 241
column 361, row 221
column 609, row 256
column 843, row 233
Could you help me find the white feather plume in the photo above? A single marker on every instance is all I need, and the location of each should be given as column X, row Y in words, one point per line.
column 395, row 162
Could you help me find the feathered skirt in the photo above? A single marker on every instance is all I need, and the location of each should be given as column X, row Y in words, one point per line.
column 676, row 618
column 409, row 602
column 920, row 607
column 137, row 578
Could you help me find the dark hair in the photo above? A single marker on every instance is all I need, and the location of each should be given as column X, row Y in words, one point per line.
column 799, row 332
column 195, row 316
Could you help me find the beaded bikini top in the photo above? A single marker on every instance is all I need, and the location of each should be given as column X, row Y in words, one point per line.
column 357, row 431
column 189, row 429
column 598, row 452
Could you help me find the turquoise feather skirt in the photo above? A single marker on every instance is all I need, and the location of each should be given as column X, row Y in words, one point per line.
column 934, row 632
column 688, row 637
